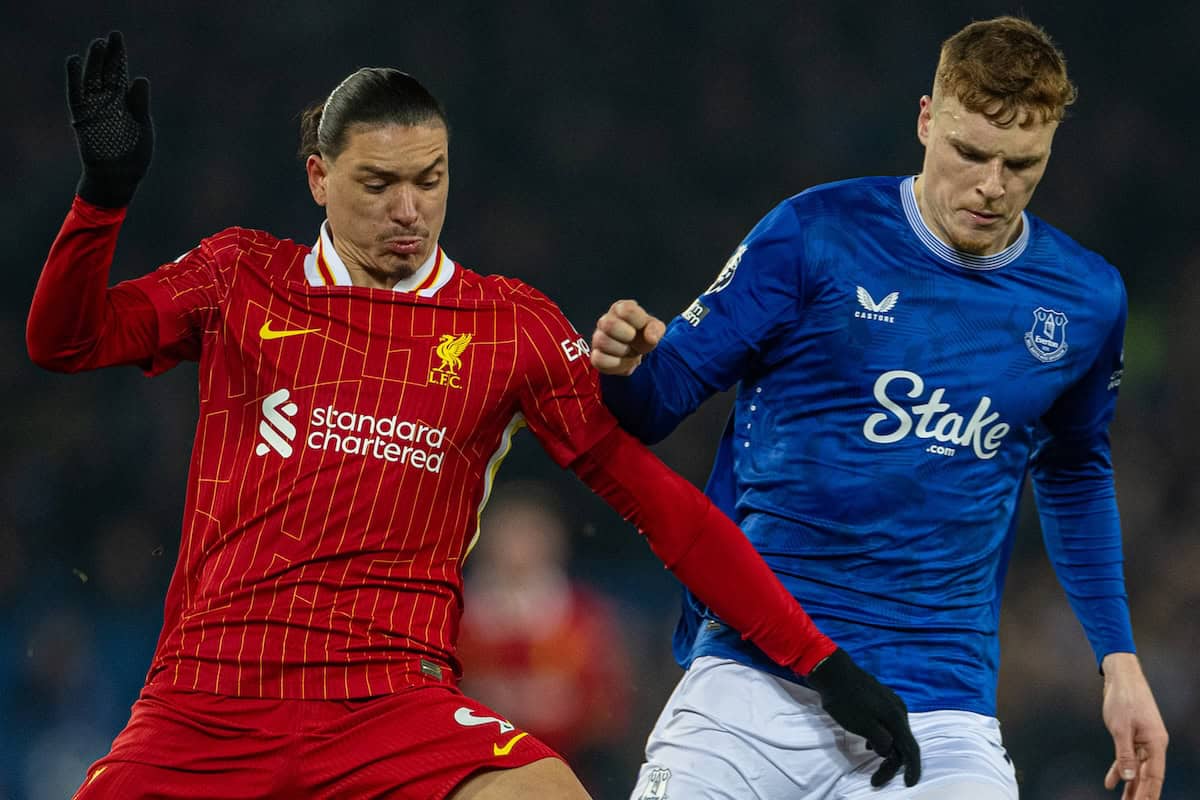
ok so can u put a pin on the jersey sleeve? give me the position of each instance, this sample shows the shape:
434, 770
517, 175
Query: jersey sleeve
186, 295
1071, 466
76, 322
559, 395
707, 347
704, 549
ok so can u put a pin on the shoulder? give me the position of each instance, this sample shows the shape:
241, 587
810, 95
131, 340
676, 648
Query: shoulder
826, 210
246, 247
851, 195
1071, 260
540, 322
502, 289
239, 240
812, 227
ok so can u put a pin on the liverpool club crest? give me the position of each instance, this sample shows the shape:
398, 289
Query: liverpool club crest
1047, 339
450, 350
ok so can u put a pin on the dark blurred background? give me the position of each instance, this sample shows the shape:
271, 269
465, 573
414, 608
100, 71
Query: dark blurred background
599, 150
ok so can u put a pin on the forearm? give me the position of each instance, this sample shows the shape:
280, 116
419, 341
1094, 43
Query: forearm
704, 549
75, 321
652, 401
633, 400
1081, 526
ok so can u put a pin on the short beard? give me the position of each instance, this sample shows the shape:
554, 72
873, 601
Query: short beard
971, 248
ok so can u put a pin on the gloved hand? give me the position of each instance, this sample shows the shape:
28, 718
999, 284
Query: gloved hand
864, 706
111, 118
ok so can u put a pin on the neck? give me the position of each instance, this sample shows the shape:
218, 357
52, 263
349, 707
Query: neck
934, 225
362, 275
346, 260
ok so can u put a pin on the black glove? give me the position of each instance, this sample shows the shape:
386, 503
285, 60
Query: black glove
864, 706
111, 117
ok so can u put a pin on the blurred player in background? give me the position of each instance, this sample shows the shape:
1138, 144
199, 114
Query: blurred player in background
905, 350
356, 398
537, 641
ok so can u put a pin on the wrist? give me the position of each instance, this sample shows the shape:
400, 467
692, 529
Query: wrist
828, 662
97, 215
110, 192
819, 652
1116, 666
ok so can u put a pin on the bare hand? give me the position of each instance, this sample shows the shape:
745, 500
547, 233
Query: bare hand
1140, 738
623, 335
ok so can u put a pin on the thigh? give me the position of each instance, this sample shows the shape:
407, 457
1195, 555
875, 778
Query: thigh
184, 745
549, 777
116, 779
420, 744
962, 756
733, 733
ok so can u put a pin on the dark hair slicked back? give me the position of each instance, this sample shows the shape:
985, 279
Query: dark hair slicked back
370, 96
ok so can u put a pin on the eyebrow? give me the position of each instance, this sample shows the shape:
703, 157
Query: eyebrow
973, 151
383, 172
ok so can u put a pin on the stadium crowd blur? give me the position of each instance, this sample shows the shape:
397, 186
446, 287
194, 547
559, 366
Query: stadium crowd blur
598, 151
538, 640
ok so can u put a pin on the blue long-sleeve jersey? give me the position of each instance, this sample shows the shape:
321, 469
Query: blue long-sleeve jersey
892, 394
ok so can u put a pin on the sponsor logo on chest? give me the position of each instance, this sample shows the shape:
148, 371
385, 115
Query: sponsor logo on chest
391, 439
876, 311
913, 413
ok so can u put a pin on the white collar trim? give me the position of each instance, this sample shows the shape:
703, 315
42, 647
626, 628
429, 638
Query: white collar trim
431, 276
908, 194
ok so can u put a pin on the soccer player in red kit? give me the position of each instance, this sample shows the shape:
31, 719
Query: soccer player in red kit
356, 399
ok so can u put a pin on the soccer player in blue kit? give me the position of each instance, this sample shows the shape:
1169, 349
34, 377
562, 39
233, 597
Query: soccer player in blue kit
906, 350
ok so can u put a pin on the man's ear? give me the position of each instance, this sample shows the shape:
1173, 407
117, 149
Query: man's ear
924, 118
318, 174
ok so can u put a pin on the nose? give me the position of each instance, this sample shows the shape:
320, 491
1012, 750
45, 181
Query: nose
992, 184
403, 208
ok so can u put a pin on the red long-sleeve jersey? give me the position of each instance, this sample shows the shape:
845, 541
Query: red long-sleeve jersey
346, 443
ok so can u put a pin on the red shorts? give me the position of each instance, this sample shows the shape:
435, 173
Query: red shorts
420, 744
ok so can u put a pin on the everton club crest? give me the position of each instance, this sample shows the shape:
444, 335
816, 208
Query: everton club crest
1047, 339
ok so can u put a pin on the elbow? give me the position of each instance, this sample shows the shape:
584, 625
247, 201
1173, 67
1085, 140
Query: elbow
50, 363
651, 422
648, 434
39, 354
50, 358
644, 430
638, 411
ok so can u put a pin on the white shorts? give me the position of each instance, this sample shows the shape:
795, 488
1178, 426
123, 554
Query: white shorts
730, 732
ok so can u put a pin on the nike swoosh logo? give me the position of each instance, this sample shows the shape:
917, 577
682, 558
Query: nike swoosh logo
497, 750
266, 332
468, 718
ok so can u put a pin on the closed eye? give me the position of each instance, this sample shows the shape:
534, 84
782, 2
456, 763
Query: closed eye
971, 155
1023, 164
